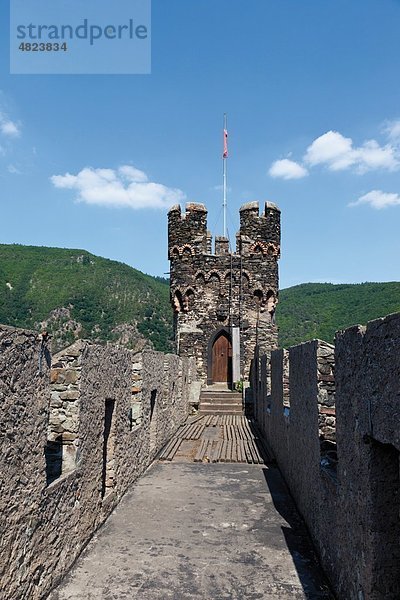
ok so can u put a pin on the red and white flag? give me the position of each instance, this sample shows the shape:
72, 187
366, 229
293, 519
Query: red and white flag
225, 153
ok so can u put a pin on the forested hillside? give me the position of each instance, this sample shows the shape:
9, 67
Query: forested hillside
317, 310
72, 293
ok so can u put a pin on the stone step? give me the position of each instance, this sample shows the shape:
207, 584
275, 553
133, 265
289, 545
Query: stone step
219, 405
213, 401
220, 411
224, 396
221, 400
215, 406
222, 392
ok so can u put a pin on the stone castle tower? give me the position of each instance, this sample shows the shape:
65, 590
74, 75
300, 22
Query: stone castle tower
224, 301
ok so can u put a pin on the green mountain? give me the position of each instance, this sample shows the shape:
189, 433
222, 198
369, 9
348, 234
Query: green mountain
317, 310
72, 293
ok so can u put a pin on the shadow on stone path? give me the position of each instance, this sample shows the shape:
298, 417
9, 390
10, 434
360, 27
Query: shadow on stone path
191, 531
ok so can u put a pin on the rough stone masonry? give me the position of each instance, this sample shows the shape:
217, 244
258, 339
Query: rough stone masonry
224, 292
336, 440
72, 440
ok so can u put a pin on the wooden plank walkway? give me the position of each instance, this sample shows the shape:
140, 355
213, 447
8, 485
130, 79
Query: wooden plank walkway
217, 438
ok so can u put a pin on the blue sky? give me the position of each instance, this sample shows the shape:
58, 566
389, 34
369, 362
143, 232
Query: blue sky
312, 93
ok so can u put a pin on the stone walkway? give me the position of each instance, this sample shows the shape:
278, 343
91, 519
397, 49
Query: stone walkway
191, 531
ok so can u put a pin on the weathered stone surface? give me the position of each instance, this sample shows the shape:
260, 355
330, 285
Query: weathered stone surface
352, 510
69, 395
237, 535
58, 480
215, 292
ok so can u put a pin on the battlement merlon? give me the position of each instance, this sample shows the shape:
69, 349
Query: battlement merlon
187, 232
221, 245
259, 233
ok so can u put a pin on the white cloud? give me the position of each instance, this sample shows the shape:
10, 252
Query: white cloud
8, 127
372, 156
125, 187
338, 153
133, 174
392, 130
287, 169
378, 199
330, 148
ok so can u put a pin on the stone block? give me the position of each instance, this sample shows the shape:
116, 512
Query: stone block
71, 376
70, 395
59, 387
55, 402
54, 375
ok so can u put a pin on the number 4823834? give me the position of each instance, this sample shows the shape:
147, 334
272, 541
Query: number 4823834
42, 47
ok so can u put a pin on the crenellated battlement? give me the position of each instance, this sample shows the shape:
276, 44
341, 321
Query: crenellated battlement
335, 437
73, 438
221, 246
224, 290
258, 234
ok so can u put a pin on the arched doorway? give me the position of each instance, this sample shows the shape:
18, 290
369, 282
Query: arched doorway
221, 359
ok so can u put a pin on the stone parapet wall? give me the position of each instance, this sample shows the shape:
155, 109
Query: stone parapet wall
73, 439
351, 403
24, 398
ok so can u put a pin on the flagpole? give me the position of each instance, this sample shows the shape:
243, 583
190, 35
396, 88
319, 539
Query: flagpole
224, 157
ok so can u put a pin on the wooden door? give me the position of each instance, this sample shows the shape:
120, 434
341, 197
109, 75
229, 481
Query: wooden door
222, 359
